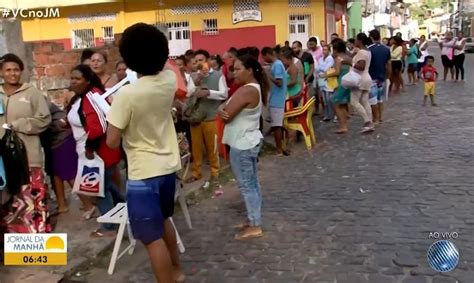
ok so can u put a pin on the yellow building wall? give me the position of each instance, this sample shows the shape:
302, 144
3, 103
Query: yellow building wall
275, 13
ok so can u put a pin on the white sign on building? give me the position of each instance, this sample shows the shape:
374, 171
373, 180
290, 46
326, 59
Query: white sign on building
248, 15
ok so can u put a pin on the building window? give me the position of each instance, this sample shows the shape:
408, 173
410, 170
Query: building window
245, 5
94, 17
83, 38
178, 30
209, 27
194, 9
108, 33
298, 3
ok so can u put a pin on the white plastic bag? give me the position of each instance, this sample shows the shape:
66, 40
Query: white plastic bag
90, 177
351, 80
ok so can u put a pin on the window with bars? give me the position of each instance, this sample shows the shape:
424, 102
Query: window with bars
298, 3
245, 5
178, 30
83, 38
194, 9
108, 33
209, 27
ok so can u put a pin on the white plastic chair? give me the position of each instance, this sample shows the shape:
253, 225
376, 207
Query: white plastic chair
180, 194
119, 215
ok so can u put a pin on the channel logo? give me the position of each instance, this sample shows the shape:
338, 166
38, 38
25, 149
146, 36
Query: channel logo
443, 256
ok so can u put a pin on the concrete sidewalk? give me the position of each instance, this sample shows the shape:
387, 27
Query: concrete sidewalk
82, 249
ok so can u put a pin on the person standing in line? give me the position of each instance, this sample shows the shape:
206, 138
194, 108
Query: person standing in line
26, 112
98, 62
277, 96
89, 126
141, 116
396, 53
60, 154
216, 63
86, 56
120, 70
294, 87
98, 65
293, 75
412, 61
430, 75
241, 114
324, 64
341, 96
307, 60
212, 91
447, 54
423, 47
228, 71
351, 50
317, 53
379, 71
360, 96
459, 56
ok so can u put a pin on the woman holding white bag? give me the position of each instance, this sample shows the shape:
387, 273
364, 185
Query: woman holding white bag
89, 127
360, 94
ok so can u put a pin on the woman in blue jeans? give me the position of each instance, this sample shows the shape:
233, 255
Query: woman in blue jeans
241, 114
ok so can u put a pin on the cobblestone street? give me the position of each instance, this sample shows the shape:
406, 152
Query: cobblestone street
356, 209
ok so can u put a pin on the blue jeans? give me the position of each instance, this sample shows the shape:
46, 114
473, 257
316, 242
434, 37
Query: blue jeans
107, 202
244, 166
328, 107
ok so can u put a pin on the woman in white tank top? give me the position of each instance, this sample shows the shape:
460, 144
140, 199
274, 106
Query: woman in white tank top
459, 55
242, 133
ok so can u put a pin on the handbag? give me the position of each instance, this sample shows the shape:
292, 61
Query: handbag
331, 81
15, 162
194, 112
90, 177
351, 79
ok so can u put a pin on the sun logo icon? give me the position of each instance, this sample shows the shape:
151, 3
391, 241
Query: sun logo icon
55, 243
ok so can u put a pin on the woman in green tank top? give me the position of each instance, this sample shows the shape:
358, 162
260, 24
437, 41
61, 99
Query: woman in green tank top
295, 76
341, 95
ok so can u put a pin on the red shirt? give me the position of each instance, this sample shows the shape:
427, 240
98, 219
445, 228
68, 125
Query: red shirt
231, 83
96, 126
429, 73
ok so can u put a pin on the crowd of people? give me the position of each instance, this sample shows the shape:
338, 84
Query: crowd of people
221, 113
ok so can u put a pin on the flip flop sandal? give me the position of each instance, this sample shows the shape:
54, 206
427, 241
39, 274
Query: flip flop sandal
243, 236
367, 130
192, 180
341, 132
242, 225
89, 214
102, 234
180, 279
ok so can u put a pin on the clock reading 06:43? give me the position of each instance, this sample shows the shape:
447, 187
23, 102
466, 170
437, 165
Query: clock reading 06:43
35, 259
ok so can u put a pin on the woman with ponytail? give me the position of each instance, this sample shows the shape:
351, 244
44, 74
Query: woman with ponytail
360, 96
241, 114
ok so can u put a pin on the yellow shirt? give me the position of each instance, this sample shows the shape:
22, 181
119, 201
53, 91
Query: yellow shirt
396, 53
142, 111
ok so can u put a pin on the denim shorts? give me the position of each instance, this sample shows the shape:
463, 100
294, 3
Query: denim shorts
150, 202
377, 92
